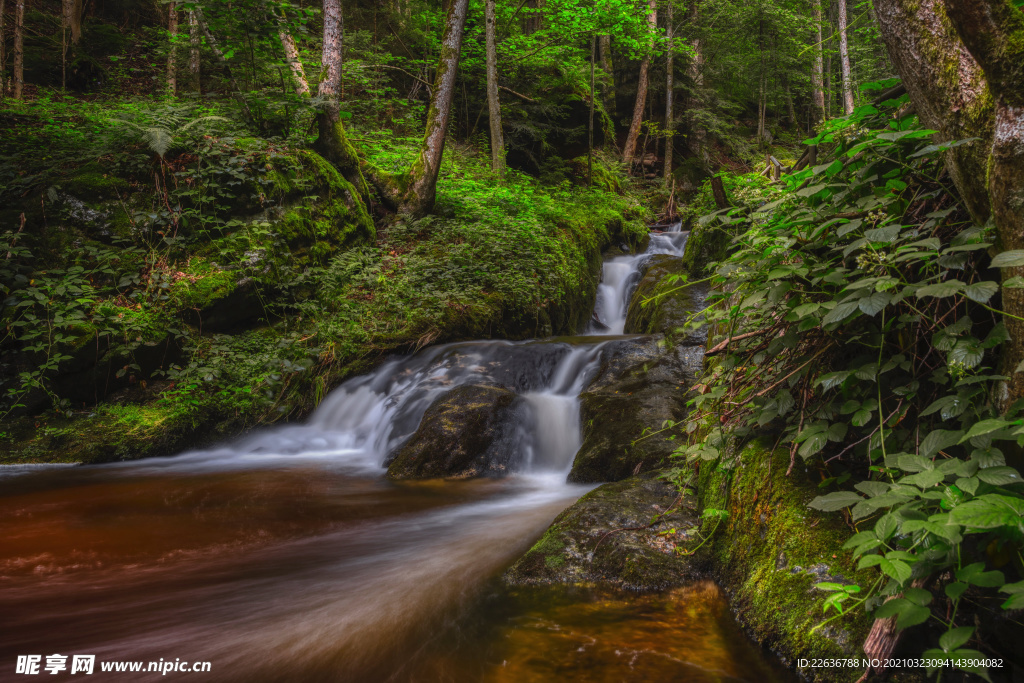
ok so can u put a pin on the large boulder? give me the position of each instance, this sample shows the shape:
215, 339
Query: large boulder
641, 384
664, 304
630, 534
470, 431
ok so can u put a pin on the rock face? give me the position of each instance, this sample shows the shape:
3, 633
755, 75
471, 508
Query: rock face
670, 312
641, 384
624, 534
470, 431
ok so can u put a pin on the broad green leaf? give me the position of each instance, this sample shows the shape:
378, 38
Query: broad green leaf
938, 440
896, 569
999, 476
941, 289
985, 427
954, 638
1008, 259
835, 501
981, 291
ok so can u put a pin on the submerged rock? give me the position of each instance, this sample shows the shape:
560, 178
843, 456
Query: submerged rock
470, 431
641, 384
628, 534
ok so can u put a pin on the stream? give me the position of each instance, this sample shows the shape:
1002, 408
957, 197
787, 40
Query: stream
287, 556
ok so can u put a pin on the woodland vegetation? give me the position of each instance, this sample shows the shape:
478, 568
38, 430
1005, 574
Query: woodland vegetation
212, 212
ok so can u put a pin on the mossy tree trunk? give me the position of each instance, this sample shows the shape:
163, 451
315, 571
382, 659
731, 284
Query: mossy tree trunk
818, 70
420, 184
332, 143
669, 86
946, 85
193, 52
993, 32
844, 58
172, 33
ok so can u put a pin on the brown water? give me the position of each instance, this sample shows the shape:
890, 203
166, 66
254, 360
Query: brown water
309, 572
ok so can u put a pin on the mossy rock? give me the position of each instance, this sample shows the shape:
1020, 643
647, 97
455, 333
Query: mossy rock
467, 432
706, 244
662, 304
772, 549
624, 534
641, 384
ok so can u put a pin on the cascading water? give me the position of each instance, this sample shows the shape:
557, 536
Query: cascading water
620, 276
286, 556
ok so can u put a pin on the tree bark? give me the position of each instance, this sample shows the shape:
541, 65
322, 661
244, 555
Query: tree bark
590, 121
291, 52
669, 86
844, 58
422, 177
493, 103
332, 143
172, 32
993, 32
19, 49
193, 52
818, 70
696, 72
629, 151
948, 88
608, 77
3, 51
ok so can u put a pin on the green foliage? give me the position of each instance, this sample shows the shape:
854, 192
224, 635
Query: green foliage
862, 324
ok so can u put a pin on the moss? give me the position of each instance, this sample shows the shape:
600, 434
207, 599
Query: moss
772, 549
706, 244
204, 285
92, 182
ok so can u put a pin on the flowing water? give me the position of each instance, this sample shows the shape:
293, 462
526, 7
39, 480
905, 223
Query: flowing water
286, 556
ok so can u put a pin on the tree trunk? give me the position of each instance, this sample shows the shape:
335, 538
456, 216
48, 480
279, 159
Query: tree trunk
699, 135
422, 177
641, 91
493, 103
332, 142
993, 32
193, 52
3, 52
669, 85
19, 49
75, 22
172, 32
948, 88
844, 58
608, 71
65, 22
817, 71
590, 121
291, 52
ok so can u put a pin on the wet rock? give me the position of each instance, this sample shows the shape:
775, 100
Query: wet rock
670, 312
470, 431
628, 534
641, 384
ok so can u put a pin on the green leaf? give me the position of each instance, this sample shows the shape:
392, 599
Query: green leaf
938, 440
835, 501
914, 463
981, 291
955, 590
999, 476
941, 290
954, 638
840, 313
985, 427
871, 305
1008, 259
896, 569
990, 512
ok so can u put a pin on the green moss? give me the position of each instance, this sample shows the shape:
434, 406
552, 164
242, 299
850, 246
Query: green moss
203, 285
772, 549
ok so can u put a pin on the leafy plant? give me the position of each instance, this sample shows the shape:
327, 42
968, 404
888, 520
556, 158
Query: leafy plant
859, 318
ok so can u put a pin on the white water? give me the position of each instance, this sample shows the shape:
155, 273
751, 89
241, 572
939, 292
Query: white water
620, 276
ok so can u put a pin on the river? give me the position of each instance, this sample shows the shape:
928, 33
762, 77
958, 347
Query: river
287, 556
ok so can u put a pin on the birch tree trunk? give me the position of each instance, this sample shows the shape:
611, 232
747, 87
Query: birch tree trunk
172, 32
419, 197
669, 85
193, 52
291, 52
844, 58
629, 151
993, 32
818, 70
493, 103
19, 49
